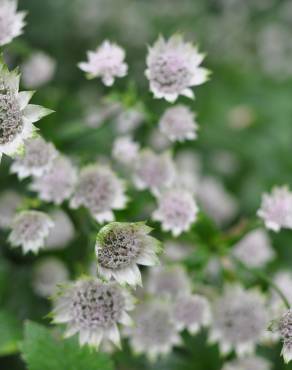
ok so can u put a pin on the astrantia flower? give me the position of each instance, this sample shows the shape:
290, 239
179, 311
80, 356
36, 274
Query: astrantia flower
254, 249
178, 123
177, 251
16, 115
106, 62
120, 246
37, 159
125, 150
276, 209
173, 68
57, 184
283, 280
153, 171
284, 328
93, 309
47, 275
96, 116
239, 320
191, 312
29, 230
9, 202
248, 363
128, 120
11, 21
177, 210
154, 332
63, 231
100, 190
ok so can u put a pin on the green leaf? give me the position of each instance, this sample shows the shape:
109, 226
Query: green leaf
11, 332
46, 350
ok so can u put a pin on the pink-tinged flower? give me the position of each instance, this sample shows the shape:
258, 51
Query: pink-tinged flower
276, 209
125, 150
283, 327
11, 21
173, 68
107, 62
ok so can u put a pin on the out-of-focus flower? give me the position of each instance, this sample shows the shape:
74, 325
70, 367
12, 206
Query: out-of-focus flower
9, 202
191, 312
158, 141
128, 120
47, 275
57, 184
95, 116
16, 115
153, 171
38, 70
120, 246
176, 251
154, 332
29, 230
37, 159
93, 309
188, 168
276, 209
11, 21
283, 281
63, 231
100, 190
284, 328
173, 68
178, 123
177, 210
225, 162
125, 150
241, 117
248, 363
254, 249
106, 62
239, 320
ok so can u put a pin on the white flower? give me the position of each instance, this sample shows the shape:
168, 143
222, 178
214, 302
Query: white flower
96, 116
29, 230
106, 62
125, 150
177, 210
38, 70
11, 21
48, 273
153, 171
178, 123
173, 67
9, 202
284, 328
16, 115
37, 159
254, 249
63, 231
57, 184
188, 168
93, 309
191, 312
276, 209
100, 190
248, 363
158, 141
120, 246
175, 251
154, 332
239, 320
128, 120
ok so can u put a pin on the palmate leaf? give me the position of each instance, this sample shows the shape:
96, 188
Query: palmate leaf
10, 333
43, 349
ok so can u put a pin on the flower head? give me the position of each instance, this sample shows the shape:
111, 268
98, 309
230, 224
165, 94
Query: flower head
120, 246
173, 67
106, 62
176, 210
128, 120
100, 190
276, 209
125, 150
9, 202
284, 328
93, 309
178, 124
248, 363
11, 21
176, 251
37, 159
29, 230
63, 231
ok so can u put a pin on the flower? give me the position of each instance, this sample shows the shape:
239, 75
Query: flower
191, 312
29, 230
120, 246
176, 210
47, 275
177, 251
284, 327
154, 332
178, 123
239, 320
57, 184
173, 67
63, 231
38, 70
128, 120
11, 21
9, 202
37, 159
106, 62
93, 309
276, 209
125, 150
248, 363
95, 116
254, 249
153, 171
100, 190
17, 116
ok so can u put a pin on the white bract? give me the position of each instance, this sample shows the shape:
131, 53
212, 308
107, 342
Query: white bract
284, 328
11, 21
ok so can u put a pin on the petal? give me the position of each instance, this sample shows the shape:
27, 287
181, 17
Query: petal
23, 98
34, 113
